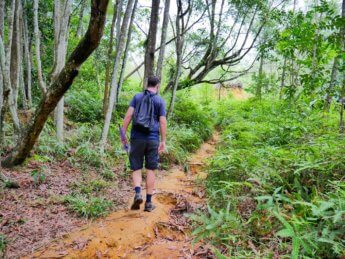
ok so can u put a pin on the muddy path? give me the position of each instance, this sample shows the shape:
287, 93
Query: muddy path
163, 233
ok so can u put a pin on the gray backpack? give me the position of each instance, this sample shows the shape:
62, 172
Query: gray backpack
143, 118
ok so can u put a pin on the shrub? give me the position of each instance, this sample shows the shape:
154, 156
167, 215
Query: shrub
84, 106
290, 161
194, 116
2, 245
89, 154
88, 188
88, 207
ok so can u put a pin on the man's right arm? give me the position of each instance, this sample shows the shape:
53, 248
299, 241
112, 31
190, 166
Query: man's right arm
127, 119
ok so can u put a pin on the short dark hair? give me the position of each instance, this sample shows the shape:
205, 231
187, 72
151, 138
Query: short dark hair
152, 81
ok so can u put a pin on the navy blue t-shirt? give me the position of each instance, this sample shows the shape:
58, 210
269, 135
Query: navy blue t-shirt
159, 110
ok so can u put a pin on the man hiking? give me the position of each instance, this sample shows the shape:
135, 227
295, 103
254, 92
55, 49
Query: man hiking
148, 116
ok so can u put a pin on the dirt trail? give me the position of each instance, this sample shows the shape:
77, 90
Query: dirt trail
138, 234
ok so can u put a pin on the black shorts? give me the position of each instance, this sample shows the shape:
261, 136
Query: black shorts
141, 149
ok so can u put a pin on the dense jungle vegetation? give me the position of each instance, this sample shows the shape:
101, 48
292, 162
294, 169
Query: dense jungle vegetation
69, 68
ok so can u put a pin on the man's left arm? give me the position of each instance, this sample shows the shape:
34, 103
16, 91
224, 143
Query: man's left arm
162, 126
163, 130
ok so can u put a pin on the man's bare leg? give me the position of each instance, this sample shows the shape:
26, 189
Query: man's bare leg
150, 185
150, 181
137, 179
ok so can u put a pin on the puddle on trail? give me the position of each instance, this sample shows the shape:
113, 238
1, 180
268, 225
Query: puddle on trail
138, 234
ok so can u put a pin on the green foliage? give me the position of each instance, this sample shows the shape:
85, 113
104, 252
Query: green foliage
108, 174
193, 115
289, 160
88, 207
181, 141
87, 188
189, 126
84, 106
309, 43
38, 176
218, 227
2, 244
8, 183
89, 154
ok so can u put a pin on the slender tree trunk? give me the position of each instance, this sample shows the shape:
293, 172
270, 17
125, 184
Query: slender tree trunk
15, 55
37, 34
163, 40
151, 42
342, 96
115, 21
176, 81
258, 93
62, 13
125, 55
2, 26
81, 16
2, 18
282, 84
179, 48
21, 58
27, 48
332, 82
62, 83
342, 106
113, 91
10, 94
5, 59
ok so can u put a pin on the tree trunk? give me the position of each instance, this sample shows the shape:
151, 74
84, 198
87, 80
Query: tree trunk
10, 94
80, 21
62, 83
329, 91
342, 96
2, 26
21, 58
115, 21
15, 55
27, 51
62, 13
259, 86
179, 47
151, 42
282, 84
125, 55
37, 34
2, 18
114, 87
163, 40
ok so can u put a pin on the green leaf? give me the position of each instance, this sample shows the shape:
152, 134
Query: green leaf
296, 244
285, 233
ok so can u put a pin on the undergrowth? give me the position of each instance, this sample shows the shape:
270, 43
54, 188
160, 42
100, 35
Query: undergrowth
2, 244
88, 207
276, 184
190, 124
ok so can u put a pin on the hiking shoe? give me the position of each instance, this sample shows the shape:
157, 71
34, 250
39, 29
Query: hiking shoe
138, 199
149, 206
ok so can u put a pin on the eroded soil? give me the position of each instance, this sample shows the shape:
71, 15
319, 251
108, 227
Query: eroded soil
163, 233
35, 214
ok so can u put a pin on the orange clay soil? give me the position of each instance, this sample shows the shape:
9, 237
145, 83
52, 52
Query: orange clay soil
139, 234
239, 94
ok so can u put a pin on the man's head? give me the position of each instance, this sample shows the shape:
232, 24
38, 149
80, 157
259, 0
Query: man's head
153, 82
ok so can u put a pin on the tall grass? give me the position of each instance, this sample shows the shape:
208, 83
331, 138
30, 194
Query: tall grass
279, 170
